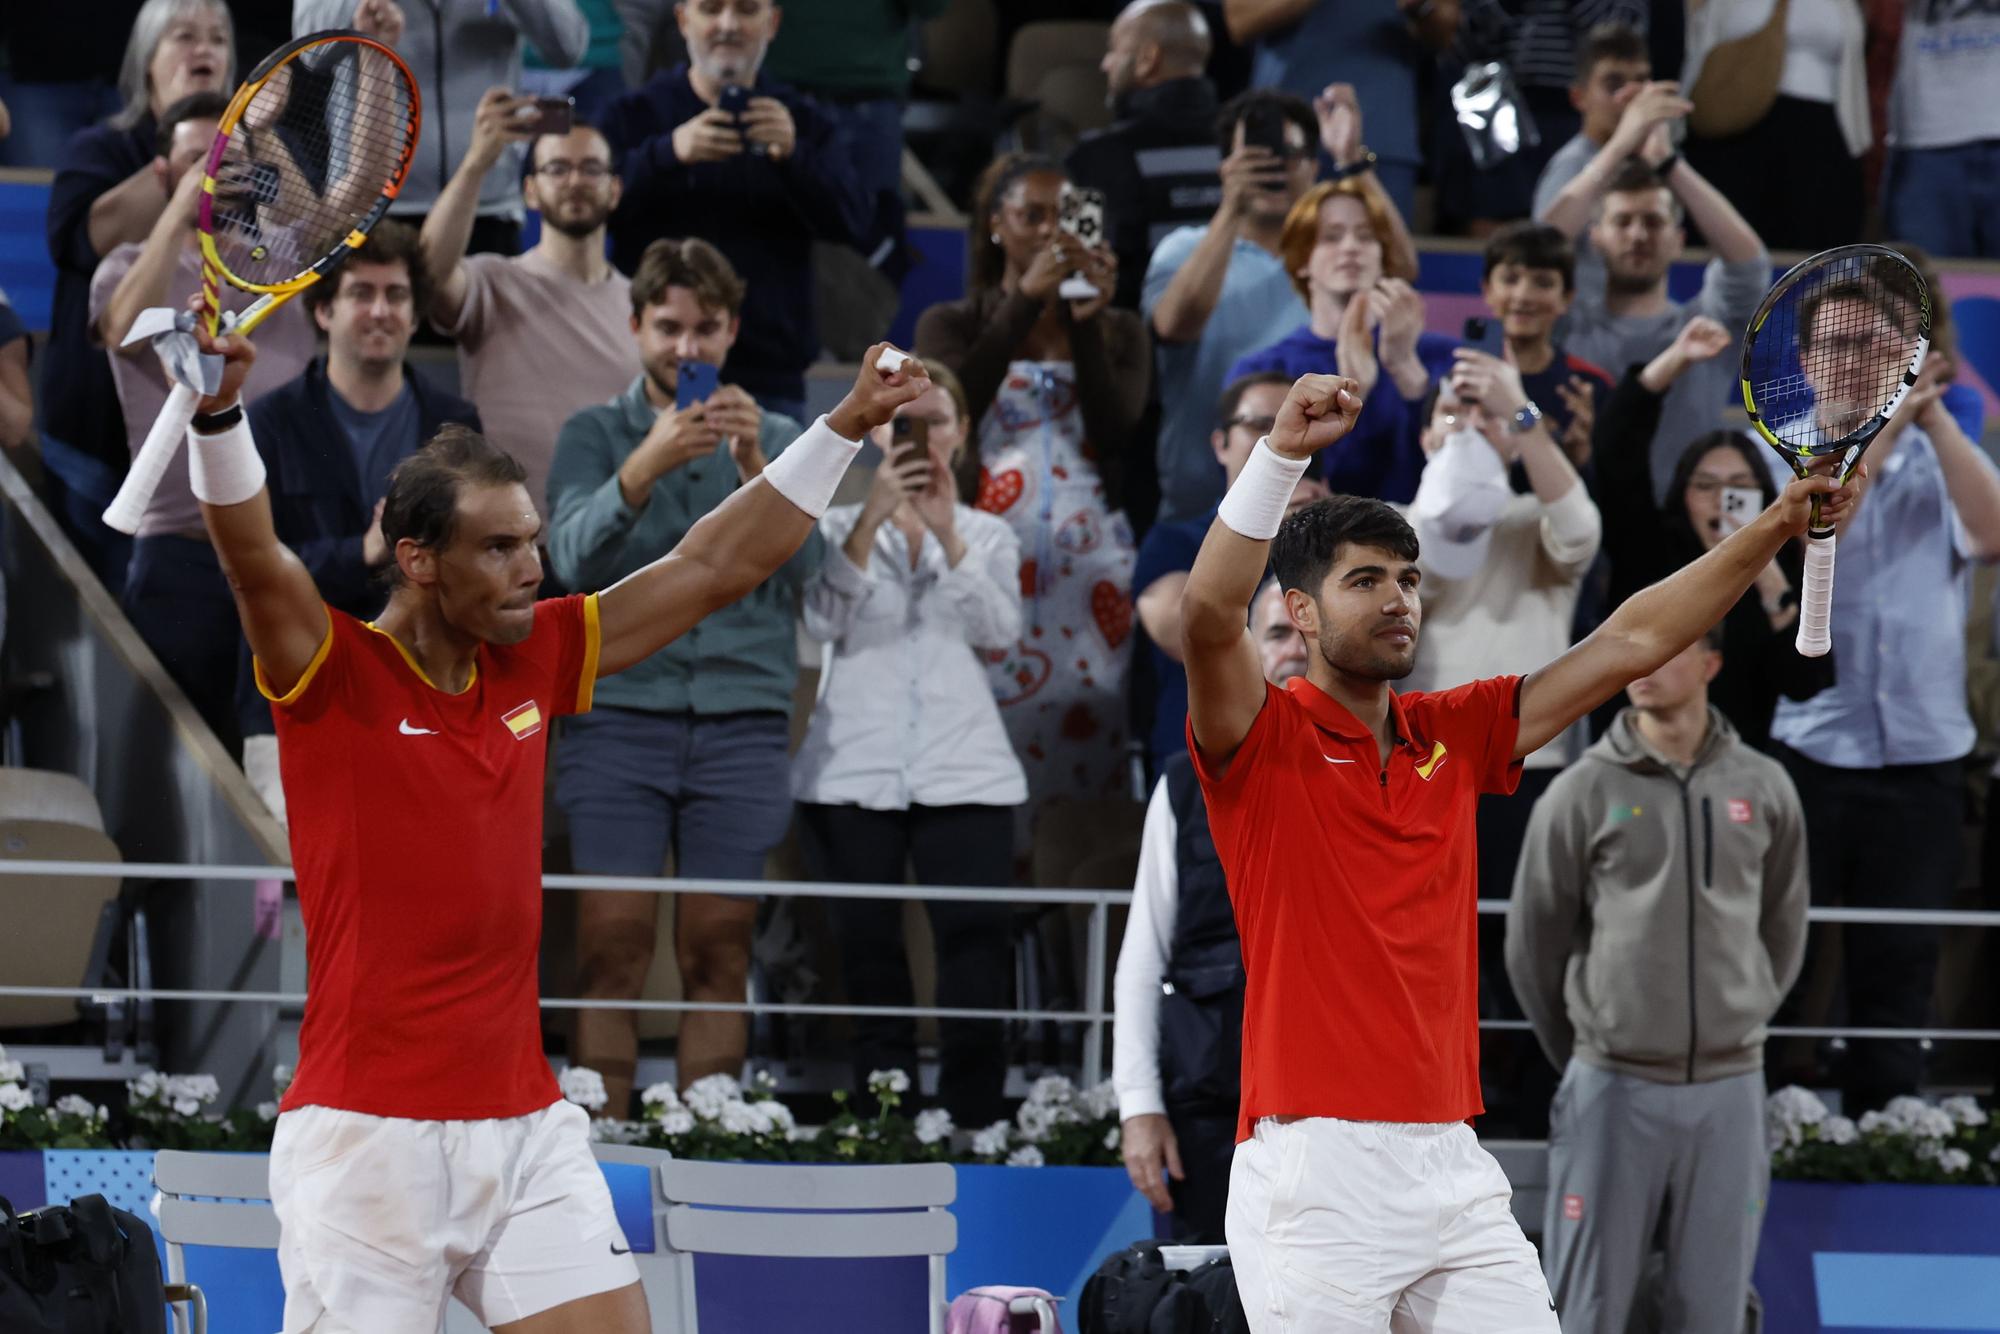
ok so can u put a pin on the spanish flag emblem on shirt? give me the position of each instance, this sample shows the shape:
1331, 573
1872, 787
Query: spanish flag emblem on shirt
523, 720
1426, 768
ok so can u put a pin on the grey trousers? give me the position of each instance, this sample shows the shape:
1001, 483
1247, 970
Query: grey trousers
1634, 1164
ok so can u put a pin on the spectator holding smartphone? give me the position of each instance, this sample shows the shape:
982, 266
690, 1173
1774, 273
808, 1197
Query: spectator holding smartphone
1528, 282
1056, 386
906, 764
1719, 477
715, 148
685, 753
545, 334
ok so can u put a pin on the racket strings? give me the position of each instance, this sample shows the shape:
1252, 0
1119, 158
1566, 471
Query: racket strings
1833, 351
315, 149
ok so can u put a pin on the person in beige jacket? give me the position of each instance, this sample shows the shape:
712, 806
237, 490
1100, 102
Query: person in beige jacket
1658, 918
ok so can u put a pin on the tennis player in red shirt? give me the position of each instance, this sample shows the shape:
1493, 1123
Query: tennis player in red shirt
423, 1149
1359, 1199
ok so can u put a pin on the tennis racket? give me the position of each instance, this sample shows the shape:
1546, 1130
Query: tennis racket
1827, 360
308, 155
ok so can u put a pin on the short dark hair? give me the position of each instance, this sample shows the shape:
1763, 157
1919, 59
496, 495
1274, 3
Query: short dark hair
389, 242
1294, 109
1609, 41
691, 263
1896, 301
535, 145
1310, 538
1532, 245
422, 503
195, 106
1232, 397
1634, 176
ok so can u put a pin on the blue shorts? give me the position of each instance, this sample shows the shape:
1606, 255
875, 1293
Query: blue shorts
713, 791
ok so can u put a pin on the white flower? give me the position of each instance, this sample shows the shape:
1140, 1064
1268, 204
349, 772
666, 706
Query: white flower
584, 1087
992, 1141
1111, 1138
888, 1081
187, 1107
71, 1105
933, 1124
1954, 1160
677, 1121
779, 1116
604, 1130
764, 1082
1793, 1103
12, 1072
14, 1098
1035, 1120
1838, 1130
707, 1096
1993, 1155
660, 1095
267, 1111
146, 1087
1051, 1089
1927, 1150
198, 1089
281, 1079
850, 1131
738, 1119
1100, 1101
1913, 1116
1965, 1111
1025, 1156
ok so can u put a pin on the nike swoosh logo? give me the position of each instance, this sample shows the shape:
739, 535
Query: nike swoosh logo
618, 1250
407, 730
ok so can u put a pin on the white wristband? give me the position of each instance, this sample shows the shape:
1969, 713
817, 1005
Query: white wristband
1256, 502
224, 469
811, 467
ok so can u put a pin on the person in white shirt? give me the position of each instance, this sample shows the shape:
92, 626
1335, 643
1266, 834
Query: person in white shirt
906, 761
1177, 997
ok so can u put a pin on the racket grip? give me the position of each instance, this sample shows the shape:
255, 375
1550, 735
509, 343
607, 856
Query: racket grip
149, 465
1816, 599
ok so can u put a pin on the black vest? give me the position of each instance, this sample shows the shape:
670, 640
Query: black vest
1201, 1012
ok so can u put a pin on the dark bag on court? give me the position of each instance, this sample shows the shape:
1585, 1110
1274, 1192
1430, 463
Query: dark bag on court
1119, 1298
1203, 1302
80, 1268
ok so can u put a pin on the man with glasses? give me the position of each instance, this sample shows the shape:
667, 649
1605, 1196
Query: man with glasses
544, 334
1246, 412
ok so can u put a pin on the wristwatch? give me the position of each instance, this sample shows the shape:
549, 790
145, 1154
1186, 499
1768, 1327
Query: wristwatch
1526, 418
1363, 163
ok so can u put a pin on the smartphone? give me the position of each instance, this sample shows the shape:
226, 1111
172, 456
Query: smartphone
694, 382
554, 115
735, 100
1264, 127
1485, 335
909, 440
1081, 214
1739, 506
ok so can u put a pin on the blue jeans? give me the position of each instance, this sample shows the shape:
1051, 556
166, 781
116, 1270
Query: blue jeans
1946, 200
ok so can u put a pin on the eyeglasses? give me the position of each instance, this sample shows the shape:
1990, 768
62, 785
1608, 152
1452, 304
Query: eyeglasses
1261, 425
561, 171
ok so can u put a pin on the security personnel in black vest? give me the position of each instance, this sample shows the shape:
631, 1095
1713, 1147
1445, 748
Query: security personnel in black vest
1157, 163
1177, 1028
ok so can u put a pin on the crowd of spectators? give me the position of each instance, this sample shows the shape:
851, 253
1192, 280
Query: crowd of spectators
999, 604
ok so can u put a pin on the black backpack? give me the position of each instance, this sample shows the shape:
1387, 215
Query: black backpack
1120, 1297
81, 1268
1204, 1302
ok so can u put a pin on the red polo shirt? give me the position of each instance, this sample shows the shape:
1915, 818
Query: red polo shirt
1355, 888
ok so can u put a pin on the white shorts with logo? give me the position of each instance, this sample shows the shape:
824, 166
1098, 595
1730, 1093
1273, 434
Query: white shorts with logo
1357, 1227
383, 1219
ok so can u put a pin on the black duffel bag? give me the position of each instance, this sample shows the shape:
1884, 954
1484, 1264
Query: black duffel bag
80, 1268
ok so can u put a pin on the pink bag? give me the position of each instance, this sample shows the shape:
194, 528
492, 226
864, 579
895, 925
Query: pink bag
1003, 1311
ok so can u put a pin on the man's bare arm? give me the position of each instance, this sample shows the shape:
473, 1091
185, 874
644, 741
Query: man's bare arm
1658, 622
740, 543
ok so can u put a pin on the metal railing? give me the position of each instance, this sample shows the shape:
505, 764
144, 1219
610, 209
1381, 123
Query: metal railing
1096, 968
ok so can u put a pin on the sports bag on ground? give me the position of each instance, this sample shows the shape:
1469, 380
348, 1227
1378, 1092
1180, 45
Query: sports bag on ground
80, 1268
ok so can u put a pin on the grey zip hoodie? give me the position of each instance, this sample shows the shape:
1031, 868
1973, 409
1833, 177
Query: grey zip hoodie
1659, 912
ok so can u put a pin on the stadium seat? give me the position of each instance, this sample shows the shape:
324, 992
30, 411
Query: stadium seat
60, 927
1054, 64
209, 1199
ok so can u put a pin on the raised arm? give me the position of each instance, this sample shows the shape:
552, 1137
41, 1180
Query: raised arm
1181, 312
555, 28
149, 281
448, 227
282, 613
1225, 678
1656, 623
1652, 105
741, 542
1729, 233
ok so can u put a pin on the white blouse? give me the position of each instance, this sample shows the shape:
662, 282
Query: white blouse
905, 715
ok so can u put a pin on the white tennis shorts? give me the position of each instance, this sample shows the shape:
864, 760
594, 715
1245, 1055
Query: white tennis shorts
383, 1219
1359, 1227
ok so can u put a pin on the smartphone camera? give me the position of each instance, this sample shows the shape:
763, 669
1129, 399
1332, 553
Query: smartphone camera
1739, 506
735, 100
1484, 335
554, 115
909, 440
694, 382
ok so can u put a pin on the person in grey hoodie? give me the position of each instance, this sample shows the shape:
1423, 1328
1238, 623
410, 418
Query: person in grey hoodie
1658, 919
